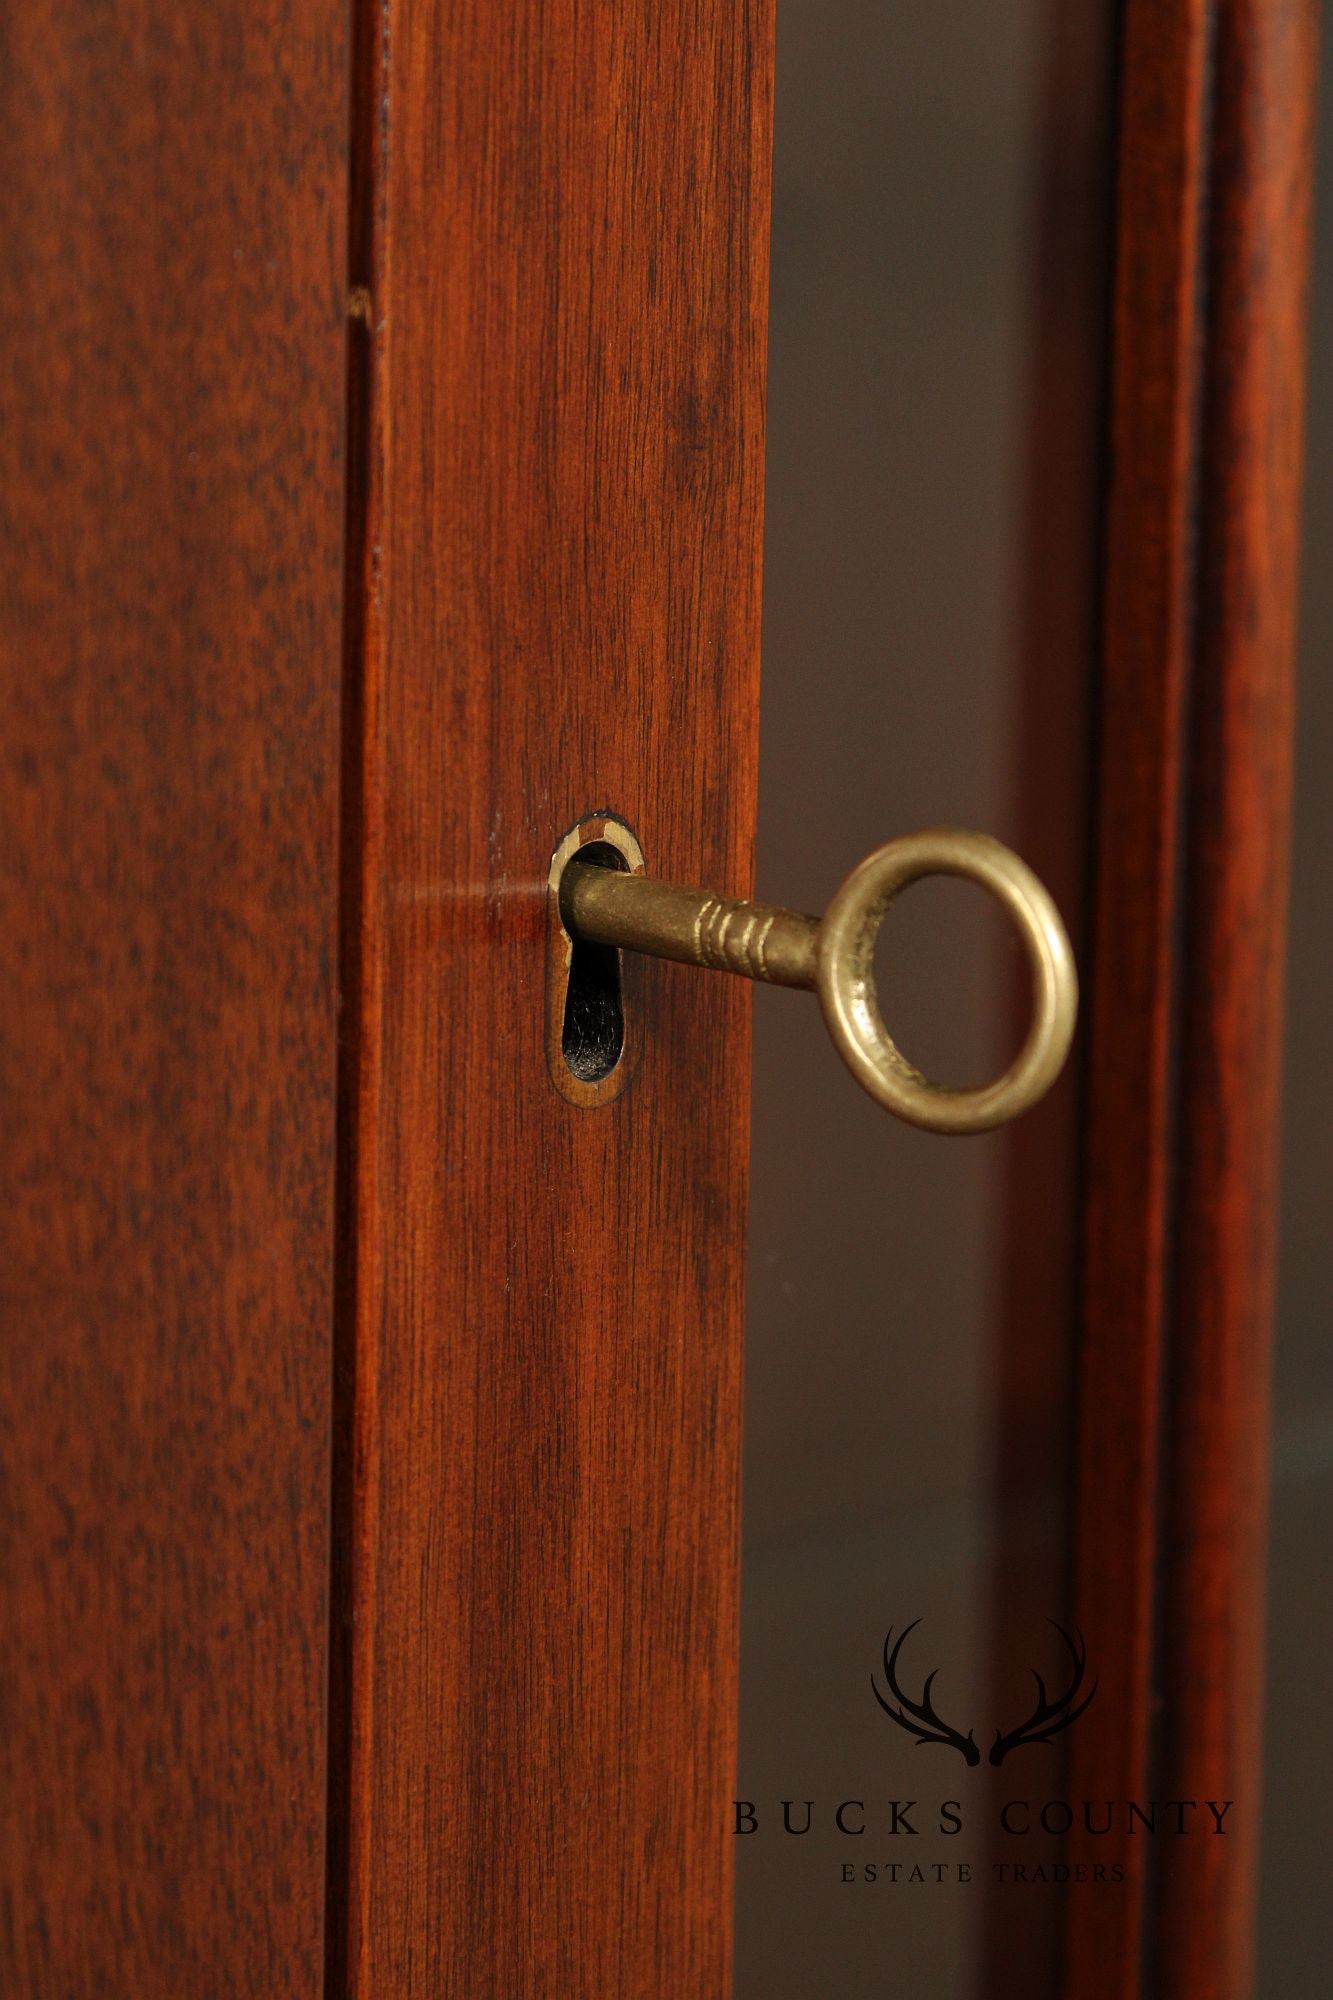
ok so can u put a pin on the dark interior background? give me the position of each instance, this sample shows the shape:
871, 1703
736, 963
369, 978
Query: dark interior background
940, 255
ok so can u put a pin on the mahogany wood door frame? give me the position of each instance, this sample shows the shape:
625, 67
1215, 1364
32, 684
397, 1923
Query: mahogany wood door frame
1214, 160
561, 239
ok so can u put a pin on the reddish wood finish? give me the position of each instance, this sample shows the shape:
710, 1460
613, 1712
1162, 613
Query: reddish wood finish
560, 228
564, 245
173, 191
1218, 1407
1130, 1001
1214, 164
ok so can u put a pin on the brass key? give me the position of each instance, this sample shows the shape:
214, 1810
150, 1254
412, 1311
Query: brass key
833, 956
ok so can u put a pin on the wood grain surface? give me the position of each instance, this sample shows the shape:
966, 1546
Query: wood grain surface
561, 232
1214, 166
173, 193
1218, 1409
1129, 1111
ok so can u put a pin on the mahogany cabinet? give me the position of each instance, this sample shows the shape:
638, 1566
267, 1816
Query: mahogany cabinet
383, 469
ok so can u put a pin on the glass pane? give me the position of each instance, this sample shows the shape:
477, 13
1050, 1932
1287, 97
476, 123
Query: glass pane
939, 258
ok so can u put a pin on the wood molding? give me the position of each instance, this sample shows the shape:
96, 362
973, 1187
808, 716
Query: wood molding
1241, 713
1193, 760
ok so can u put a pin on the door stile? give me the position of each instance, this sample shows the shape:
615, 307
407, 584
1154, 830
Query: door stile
564, 301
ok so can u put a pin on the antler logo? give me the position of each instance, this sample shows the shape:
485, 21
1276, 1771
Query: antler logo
920, 1719
1047, 1719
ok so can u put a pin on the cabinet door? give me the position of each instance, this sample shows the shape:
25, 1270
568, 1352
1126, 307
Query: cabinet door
560, 257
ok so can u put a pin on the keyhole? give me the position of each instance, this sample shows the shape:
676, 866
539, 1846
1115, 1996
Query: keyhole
591, 1032
592, 1035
